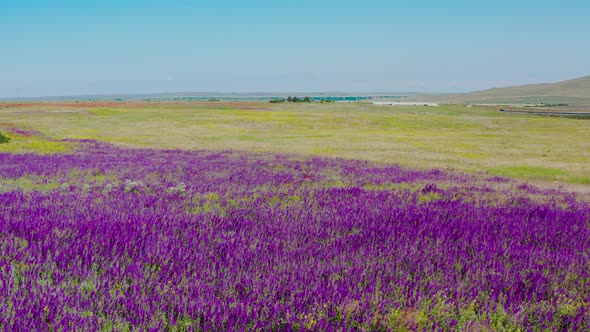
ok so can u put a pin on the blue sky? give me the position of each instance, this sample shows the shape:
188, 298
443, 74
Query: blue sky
55, 47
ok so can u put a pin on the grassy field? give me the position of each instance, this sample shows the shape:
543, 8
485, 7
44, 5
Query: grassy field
447, 137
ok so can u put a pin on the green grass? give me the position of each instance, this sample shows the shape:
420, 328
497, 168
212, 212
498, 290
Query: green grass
28, 183
476, 139
578, 179
530, 172
78, 178
35, 145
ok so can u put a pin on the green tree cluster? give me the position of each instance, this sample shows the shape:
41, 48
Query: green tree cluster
4, 138
299, 100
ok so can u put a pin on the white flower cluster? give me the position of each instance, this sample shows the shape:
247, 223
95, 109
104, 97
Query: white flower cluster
180, 188
133, 186
110, 187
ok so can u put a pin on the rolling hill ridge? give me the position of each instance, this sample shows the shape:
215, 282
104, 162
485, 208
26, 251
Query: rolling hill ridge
574, 92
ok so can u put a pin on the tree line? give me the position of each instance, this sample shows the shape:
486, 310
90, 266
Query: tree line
305, 99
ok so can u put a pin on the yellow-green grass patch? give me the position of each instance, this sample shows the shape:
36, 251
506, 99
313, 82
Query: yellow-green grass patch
475, 139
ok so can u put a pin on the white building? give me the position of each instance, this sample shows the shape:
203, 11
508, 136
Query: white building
404, 103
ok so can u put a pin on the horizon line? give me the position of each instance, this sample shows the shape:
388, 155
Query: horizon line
204, 94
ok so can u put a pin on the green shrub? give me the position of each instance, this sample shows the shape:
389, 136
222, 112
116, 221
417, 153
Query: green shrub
4, 138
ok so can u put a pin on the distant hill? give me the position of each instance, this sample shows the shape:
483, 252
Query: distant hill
575, 92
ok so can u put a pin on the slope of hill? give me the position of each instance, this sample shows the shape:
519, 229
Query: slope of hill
575, 92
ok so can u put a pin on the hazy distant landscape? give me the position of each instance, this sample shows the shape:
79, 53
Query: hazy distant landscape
574, 92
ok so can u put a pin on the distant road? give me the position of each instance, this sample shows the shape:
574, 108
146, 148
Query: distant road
579, 114
404, 103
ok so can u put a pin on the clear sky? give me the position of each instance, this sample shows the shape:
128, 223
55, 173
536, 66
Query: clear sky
60, 47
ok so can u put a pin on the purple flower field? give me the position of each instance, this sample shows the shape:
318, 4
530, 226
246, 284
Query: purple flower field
108, 238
